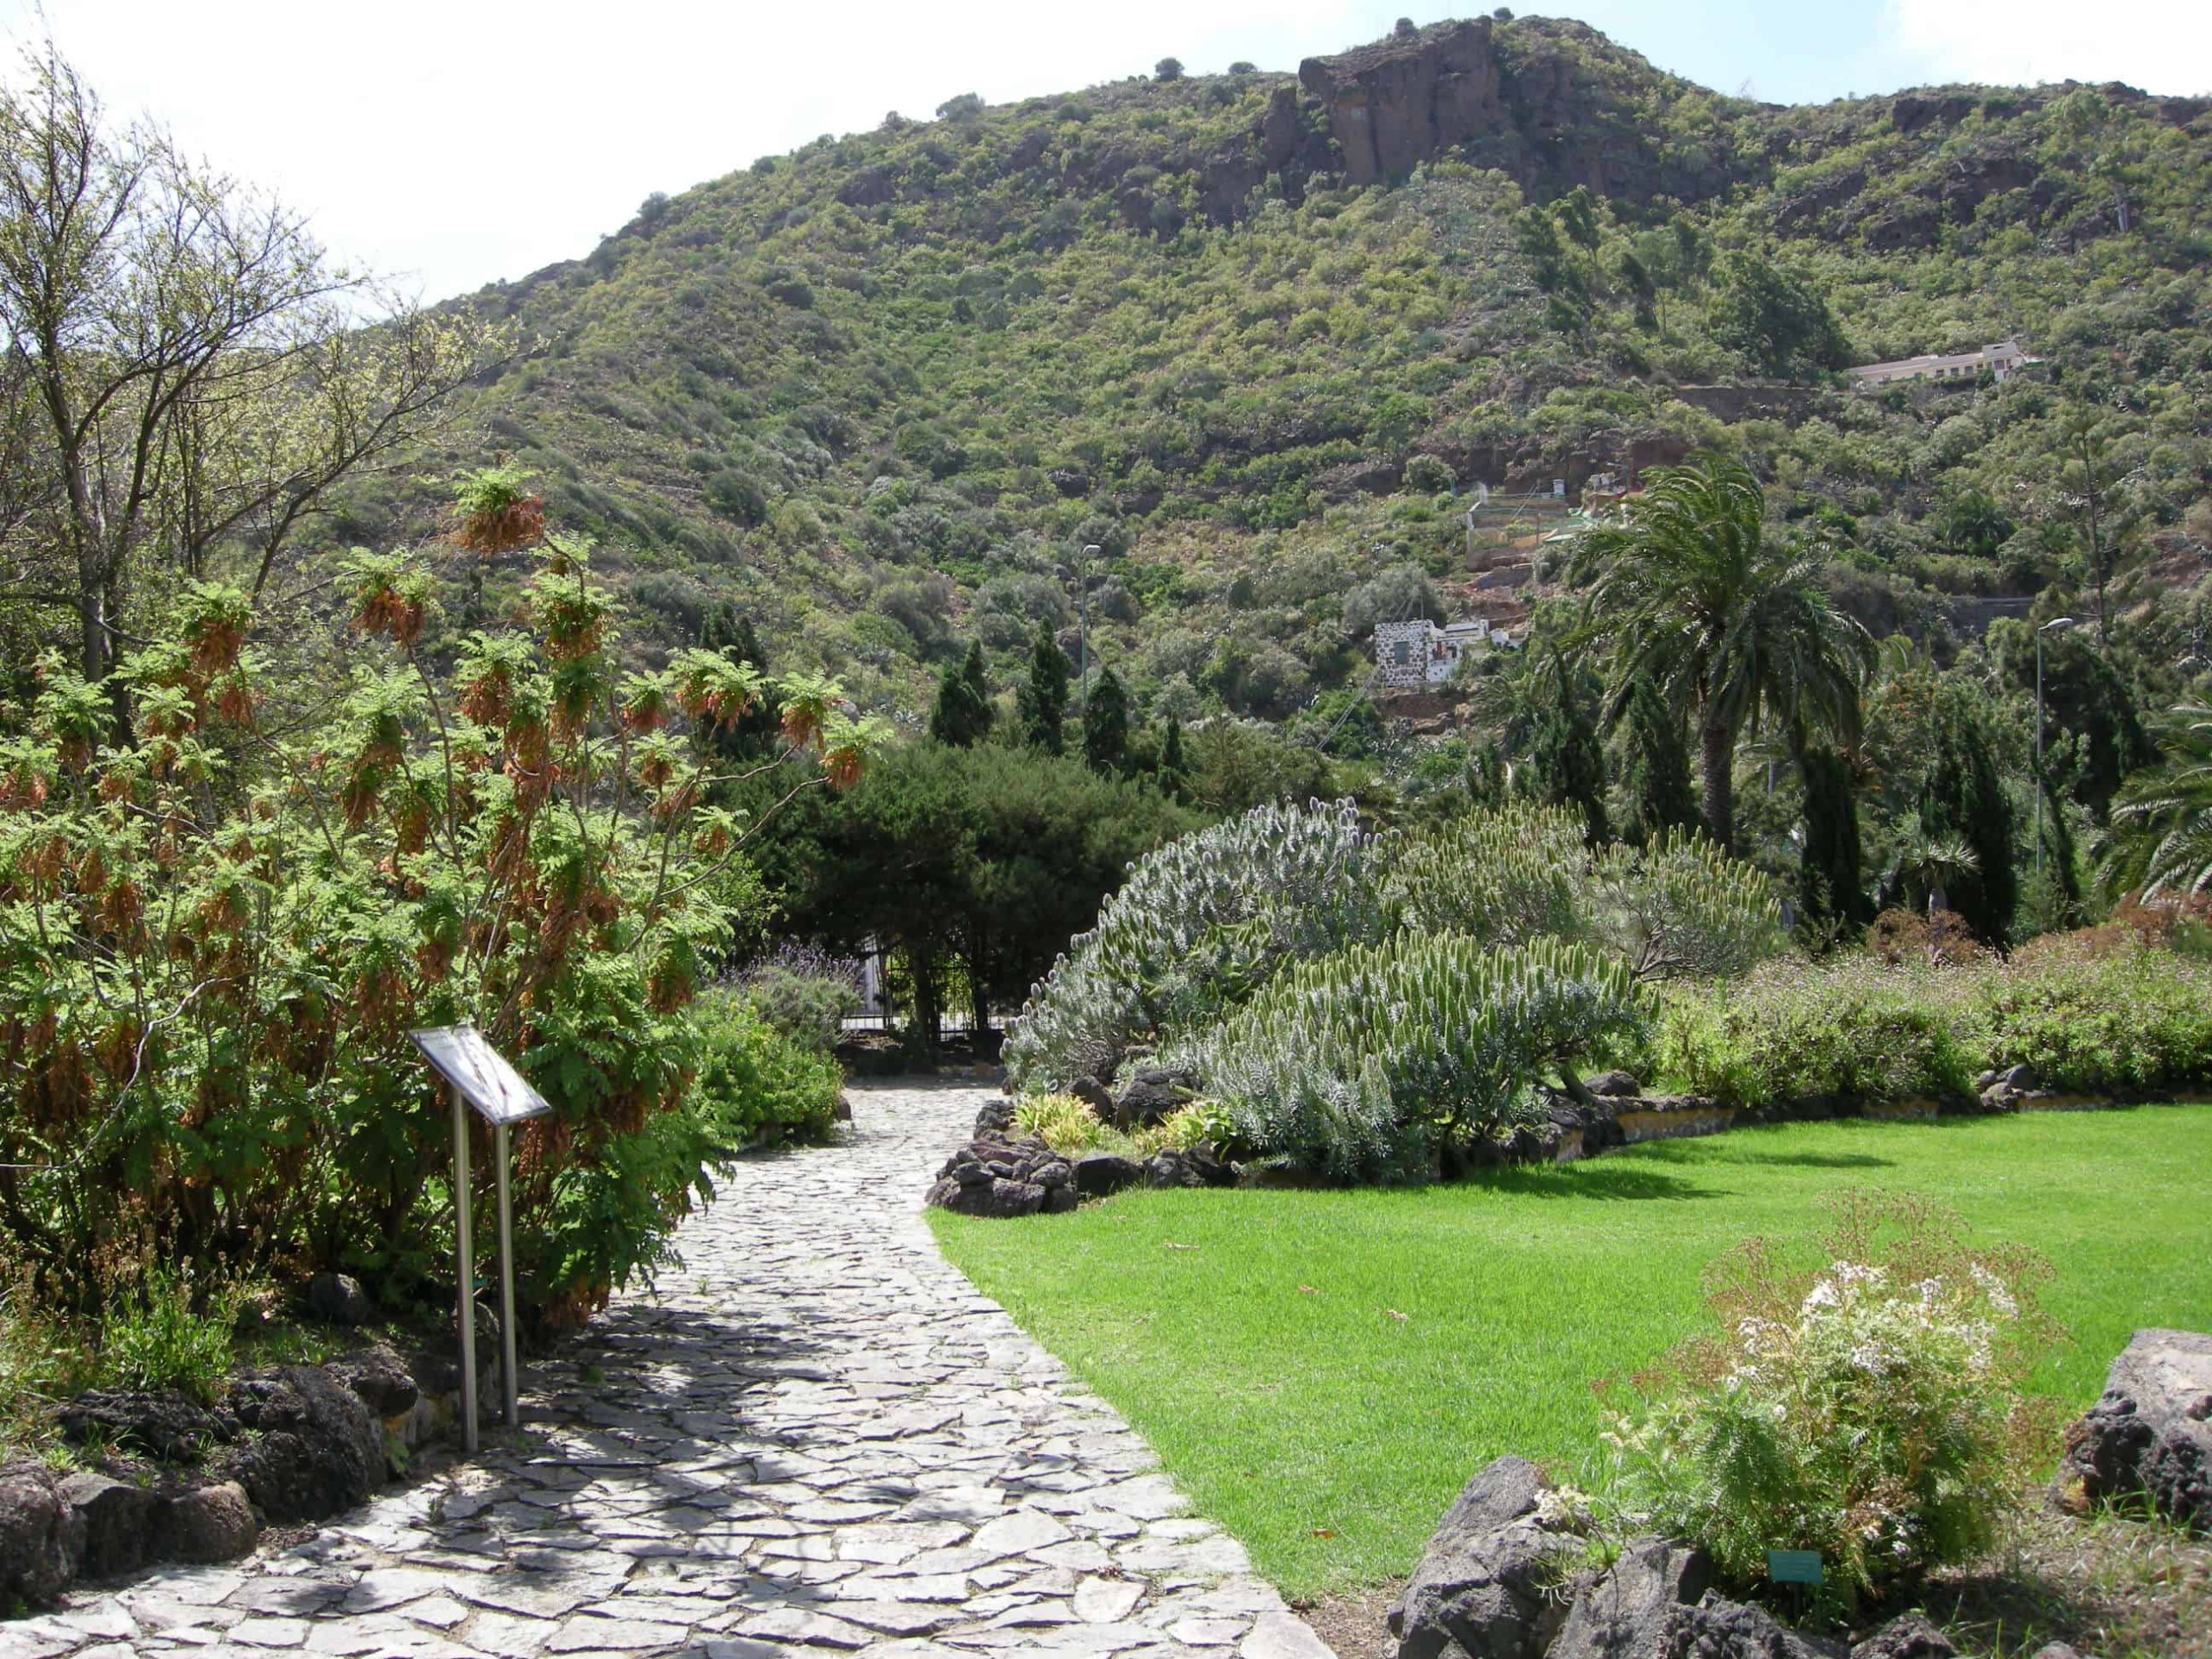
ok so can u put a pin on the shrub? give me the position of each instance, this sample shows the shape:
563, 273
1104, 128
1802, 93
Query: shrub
1852, 1029
215, 935
1677, 907
1359, 1065
1199, 923
1061, 1121
807, 994
2140, 1020
738, 496
755, 1085
1872, 1408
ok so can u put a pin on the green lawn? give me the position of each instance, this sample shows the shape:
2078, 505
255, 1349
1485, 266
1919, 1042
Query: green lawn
1253, 1335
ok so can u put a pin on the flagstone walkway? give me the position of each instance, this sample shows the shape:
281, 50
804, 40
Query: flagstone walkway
817, 1440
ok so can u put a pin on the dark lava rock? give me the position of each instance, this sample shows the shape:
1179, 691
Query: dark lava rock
2151, 1430
1093, 1094
163, 1424
1187, 1166
995, 1121
999, 1177
1716, 1629
123, 1523
1628, 1608
380, 1376
317, 1449
1614, 1085
1909, 1636
1479, 1591
339, 1298
212, 1523
41, 1537
1151, 1093
1097, 1174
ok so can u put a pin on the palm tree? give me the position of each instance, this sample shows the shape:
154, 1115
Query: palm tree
1729, 623
2162, 821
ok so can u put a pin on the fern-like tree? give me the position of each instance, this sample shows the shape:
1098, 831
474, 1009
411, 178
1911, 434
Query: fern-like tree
1106, 725
1042, 702
729, 633
1729, 623
961, 716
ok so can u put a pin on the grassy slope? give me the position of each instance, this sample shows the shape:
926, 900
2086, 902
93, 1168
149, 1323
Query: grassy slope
1328, 1435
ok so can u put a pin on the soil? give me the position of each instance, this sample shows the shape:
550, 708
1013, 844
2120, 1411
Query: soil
1352, 1624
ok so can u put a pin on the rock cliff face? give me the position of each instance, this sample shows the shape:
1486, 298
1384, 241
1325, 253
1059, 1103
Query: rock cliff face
1403, 100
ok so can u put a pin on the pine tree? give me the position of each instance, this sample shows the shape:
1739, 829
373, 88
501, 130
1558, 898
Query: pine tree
1106, 725
1568, 760
1830, 879
1042, 702
758, 733
1172, 766
961, 716
1661, 795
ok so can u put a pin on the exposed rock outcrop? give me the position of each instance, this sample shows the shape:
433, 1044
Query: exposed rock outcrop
1480, 1589
1400, 101
2150, 1432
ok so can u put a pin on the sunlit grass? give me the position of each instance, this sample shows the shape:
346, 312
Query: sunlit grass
1323, 1370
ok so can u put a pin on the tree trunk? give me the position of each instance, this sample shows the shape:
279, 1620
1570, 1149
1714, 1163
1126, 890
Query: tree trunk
1716, 767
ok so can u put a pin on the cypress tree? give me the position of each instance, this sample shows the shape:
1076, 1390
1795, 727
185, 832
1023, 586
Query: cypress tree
1043, 700
1174, 768
1569, 761
1661, 795
1829, 874
962, 715
1106, 725
758, 732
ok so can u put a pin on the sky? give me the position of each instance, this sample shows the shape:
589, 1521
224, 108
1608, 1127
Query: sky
447, 143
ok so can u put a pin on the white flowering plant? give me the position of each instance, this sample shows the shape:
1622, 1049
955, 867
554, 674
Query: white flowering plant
1872, 1408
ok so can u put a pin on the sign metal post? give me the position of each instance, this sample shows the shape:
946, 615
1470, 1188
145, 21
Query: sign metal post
479, 1076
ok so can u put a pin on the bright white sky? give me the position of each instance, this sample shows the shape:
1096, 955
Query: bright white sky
453, 143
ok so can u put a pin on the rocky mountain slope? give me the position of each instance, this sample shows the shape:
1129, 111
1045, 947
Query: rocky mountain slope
1247, 332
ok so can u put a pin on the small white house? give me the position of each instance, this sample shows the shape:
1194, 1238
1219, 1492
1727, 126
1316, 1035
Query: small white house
1999, 358
1413, 655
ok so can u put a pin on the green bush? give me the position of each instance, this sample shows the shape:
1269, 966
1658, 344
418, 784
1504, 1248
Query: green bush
807, 1004
1872, 1408
755, 1085
1856, 1030
1061, 1121
1359, 1066
2138, 1021
2085, 1019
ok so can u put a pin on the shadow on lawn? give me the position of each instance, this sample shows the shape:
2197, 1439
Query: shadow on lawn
1591, 1179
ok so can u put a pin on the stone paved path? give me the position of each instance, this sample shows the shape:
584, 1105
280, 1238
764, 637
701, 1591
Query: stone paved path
817, 1440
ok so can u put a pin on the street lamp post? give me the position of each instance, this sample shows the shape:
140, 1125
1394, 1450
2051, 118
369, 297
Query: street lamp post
1082, 627
2057, 624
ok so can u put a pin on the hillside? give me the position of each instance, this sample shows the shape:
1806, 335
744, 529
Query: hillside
880, 390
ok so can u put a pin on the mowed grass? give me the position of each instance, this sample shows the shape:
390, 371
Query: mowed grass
1322, 1370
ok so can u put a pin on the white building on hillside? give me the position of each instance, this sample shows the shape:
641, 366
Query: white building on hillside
2001, 359
1413, 655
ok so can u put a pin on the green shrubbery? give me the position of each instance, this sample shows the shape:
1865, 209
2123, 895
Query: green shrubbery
216, 931
757, 1084
1360, 1066
2093, 1019
1871, 1408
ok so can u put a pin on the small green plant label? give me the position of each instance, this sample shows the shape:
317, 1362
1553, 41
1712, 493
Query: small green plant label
1794, 1565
